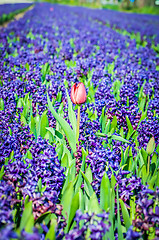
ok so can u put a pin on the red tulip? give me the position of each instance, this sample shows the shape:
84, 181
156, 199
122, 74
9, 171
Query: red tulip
78, 93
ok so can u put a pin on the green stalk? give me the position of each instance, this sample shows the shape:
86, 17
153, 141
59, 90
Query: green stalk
78, 122
148, 165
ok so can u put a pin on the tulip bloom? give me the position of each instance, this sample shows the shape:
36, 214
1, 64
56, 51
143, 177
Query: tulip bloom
78, 96
78, 93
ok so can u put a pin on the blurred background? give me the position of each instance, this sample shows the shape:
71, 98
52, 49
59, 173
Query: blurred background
138, 6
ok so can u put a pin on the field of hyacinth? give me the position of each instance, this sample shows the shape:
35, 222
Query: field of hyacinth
79, 125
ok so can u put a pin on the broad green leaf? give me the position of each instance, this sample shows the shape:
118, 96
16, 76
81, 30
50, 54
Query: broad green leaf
67, 199
122, 157
23, 119
33, 126
125, 214
129, 125
113, 181
144, 174
122, 132
71, 113
93, 204
107, 128
1, 104
1, 172
73, 209
30, 224
43, 217
40, 184
80, 178
144, 155
87, 186
141, 161
70, 134
27, 67
105, 192
118, 138
51, 235
26, 201
60, 150
114, 124
64, 160
81, 200
154, 158
27, 213
152, 181
88, 174
43, 124
55, 133
126, 154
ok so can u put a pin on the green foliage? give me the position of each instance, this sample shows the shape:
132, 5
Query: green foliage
27, 220
70, 134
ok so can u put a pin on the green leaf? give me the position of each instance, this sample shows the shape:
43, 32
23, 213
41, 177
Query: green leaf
126, 154
114, 124
71, 113
43, 124
141, 162
87, 186
129, 125
150, 146
88, 174
107, 128
30, 224
120, 234
144, 174
27, 67
23, 119
2, 172
118, 138
73, 209
37, 120
125, 214
43, 217
93, 204
105, 192
27, 213
70, 134
1, 104
33, 126
132, 208
51, 233
55, 133
81, 200
144, 155
67, 199
40, 184
80, 179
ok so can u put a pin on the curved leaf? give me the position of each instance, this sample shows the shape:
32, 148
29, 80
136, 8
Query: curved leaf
70, 134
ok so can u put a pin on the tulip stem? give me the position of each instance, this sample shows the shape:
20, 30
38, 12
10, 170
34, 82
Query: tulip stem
78, 123
148, 165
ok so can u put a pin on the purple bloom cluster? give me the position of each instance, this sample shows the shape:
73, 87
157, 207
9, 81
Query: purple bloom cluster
147, 129
8, 8
96, 224
147, 213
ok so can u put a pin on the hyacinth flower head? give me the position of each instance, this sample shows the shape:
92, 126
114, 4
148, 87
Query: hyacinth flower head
78, 96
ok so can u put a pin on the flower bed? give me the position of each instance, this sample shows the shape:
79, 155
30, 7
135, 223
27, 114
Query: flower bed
58, 182
8, 11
